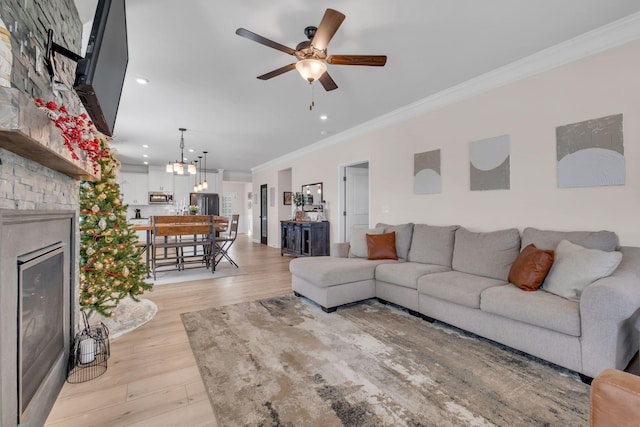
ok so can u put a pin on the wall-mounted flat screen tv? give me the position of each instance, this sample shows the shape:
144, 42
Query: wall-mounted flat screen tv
100, 74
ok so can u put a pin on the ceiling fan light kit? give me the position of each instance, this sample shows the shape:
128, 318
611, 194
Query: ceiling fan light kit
311, 69
312, 54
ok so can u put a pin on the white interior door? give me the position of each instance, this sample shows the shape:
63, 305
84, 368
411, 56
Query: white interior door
356, 198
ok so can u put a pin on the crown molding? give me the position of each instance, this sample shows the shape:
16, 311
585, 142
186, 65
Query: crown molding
603, 38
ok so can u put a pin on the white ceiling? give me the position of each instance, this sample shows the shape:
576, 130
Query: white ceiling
203, 76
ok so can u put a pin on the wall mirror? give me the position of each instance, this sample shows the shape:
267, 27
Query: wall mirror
312, 196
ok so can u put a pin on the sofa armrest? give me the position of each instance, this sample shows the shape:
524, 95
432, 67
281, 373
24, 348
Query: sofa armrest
608, 310
340, 250
615, 399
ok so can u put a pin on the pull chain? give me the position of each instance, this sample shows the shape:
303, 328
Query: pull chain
312, 102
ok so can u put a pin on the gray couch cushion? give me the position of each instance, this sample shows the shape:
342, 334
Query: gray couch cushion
358, 241
537, 308
328, 271
454, 286
548, 239
407, 273
403, 237
486, 254
432, 244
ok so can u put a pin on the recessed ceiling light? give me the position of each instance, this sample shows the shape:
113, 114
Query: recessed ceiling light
145, 155
323, 117
191, 150
184, 159
142, 80
324, 132
145, 145
146, 163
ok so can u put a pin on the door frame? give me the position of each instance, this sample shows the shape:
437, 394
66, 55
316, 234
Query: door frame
264, 209
342, 194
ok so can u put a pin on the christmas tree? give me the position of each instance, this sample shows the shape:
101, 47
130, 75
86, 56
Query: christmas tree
111, 267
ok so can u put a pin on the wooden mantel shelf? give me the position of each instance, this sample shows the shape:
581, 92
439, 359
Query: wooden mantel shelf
27, 131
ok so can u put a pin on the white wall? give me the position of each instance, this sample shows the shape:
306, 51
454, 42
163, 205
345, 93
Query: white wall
529, 111
240, 205
284, 184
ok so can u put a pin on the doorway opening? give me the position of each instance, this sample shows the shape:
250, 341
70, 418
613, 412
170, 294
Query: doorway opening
354, 197
264, 207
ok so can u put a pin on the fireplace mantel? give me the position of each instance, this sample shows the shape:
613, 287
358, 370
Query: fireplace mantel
27, 132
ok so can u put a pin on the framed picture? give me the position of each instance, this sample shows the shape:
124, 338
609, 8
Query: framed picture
287, 197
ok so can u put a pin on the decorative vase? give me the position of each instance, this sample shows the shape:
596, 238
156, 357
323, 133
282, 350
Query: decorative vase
6, 57
299, 214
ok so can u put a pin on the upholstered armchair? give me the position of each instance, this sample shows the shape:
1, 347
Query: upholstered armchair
615, 399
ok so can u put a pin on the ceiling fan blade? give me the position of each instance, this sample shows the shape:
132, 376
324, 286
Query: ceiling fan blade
328, 26
327, 82
372, 60
258, 38
277, 72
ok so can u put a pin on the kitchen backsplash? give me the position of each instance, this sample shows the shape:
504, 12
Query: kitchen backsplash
151, 210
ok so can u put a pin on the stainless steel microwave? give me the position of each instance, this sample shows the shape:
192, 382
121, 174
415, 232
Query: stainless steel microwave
160, 198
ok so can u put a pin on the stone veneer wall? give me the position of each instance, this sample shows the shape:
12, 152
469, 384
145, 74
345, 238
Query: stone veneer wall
25, 184
28, 22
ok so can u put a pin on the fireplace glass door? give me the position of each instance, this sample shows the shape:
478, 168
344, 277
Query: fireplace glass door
40, 311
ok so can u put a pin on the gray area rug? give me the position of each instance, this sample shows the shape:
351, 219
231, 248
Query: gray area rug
168, 277
284, 362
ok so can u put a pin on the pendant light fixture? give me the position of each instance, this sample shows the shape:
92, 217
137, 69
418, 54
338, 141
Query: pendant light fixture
178, 167
205, 184
199, 186
195, 182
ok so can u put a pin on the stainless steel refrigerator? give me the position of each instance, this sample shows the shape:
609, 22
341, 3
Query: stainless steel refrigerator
208, 203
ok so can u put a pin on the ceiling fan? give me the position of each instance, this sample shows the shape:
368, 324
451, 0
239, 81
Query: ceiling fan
312, 54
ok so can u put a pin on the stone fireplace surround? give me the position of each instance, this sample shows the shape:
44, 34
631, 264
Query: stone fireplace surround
39, 204
21, 232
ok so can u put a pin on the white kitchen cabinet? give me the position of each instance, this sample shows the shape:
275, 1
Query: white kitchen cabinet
134, 189
160, 180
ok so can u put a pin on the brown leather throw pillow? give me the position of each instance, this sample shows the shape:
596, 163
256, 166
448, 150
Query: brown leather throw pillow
382, 246
531, 267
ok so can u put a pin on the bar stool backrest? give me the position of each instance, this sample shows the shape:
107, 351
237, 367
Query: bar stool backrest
180, 225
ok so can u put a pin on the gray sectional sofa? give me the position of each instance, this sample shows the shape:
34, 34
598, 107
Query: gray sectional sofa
460, 277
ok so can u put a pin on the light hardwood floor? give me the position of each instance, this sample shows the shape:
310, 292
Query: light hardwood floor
152, 378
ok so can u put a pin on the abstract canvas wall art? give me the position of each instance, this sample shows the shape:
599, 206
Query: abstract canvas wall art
426, 173
591, 153
490, 164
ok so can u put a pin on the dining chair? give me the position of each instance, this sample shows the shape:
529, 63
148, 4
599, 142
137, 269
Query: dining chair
222, 224
224, 243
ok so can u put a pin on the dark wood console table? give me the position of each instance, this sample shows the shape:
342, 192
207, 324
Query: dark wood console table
304, 238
